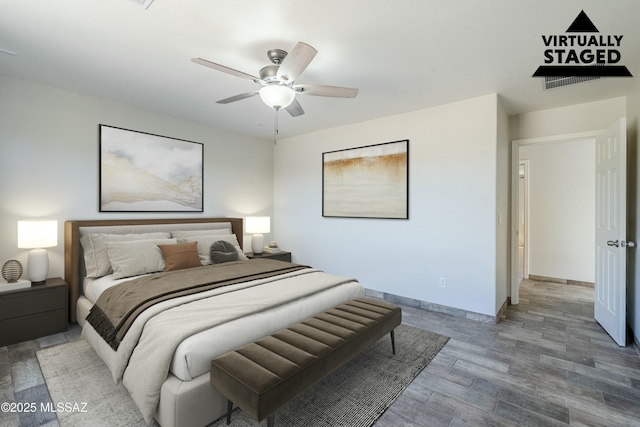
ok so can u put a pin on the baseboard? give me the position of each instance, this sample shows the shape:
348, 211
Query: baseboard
430, 306
502, 312
560, 280
537, 278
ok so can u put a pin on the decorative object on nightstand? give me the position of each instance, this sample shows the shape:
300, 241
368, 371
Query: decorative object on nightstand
11, 271
37, 235
12, 286
257, 225
272, 248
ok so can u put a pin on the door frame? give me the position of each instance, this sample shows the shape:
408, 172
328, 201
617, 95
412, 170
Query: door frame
525, 258
514, 288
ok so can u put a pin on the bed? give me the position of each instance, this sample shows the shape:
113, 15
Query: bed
164, 358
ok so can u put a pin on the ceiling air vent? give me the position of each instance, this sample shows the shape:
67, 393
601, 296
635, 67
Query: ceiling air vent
556, 82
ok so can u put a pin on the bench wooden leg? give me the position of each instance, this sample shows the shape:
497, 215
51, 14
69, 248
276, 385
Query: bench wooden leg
271, 420
229, 409
393, 341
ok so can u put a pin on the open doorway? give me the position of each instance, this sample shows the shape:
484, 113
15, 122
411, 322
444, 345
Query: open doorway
609, 268
561, 222
544, 245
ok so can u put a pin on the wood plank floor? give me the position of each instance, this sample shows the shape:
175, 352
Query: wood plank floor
547, 363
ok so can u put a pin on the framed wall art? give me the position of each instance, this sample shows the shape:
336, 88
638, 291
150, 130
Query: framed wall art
367, 182
142, 172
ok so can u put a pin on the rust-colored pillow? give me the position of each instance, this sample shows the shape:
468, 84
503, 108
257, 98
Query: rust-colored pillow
180, 256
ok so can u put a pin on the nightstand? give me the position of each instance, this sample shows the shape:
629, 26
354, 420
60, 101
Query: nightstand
33, 312
281, 256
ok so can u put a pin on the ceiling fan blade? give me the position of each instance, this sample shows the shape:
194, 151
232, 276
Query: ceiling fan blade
325, 90
296, 62
237, 97
295, 109
224, 69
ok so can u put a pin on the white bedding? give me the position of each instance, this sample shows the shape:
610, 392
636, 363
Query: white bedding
242, 313
93, 287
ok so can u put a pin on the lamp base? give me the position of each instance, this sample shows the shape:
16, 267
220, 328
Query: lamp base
38, 266
257, 243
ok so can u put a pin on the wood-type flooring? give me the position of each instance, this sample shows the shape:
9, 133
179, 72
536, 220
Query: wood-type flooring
546, 363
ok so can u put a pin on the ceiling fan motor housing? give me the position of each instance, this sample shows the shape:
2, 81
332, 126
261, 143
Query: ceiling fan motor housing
276, 56
269, 73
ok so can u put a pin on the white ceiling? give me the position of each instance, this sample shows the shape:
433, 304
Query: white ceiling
403, 55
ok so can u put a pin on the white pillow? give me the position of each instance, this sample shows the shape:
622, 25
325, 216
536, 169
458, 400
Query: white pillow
205, 242
184, 234
134, 258
94, 246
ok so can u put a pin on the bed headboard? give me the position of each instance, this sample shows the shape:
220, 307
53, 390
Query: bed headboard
73, 257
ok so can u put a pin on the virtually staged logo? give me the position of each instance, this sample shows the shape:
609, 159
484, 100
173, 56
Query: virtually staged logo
581, 53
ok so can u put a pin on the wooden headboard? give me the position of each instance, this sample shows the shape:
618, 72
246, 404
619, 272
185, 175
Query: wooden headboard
73, 254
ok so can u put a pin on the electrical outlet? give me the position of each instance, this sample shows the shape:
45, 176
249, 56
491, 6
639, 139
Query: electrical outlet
443, 282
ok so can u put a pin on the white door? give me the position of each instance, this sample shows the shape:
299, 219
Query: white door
611, 229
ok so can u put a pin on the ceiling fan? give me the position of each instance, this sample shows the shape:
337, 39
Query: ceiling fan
278, 89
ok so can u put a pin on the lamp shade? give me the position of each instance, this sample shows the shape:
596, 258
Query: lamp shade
37, 233
258, 224
276, 96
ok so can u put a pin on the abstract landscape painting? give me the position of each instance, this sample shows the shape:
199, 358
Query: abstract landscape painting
367, 182
141, 172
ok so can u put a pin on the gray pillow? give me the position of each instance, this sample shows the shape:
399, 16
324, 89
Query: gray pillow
222, 251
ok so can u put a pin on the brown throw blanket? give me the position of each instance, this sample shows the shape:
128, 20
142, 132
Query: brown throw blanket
118, 306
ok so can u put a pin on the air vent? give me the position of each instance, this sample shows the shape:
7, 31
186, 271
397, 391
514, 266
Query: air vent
556, 82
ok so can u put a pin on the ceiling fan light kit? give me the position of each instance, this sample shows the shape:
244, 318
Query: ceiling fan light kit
277, 96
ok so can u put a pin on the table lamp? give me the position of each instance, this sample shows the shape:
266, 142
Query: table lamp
257, 225
36, 235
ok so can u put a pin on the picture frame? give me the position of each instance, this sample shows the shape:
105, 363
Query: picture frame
144, 172
367, 182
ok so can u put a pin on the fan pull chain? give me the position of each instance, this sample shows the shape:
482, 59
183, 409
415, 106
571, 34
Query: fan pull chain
275, 128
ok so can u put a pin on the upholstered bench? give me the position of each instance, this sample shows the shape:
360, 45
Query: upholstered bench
262, 376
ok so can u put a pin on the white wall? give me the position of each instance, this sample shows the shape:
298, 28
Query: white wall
590, 116
451, 231
561, 209
503, 177
50, 162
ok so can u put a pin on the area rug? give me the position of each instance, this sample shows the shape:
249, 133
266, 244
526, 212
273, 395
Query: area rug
354, 395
